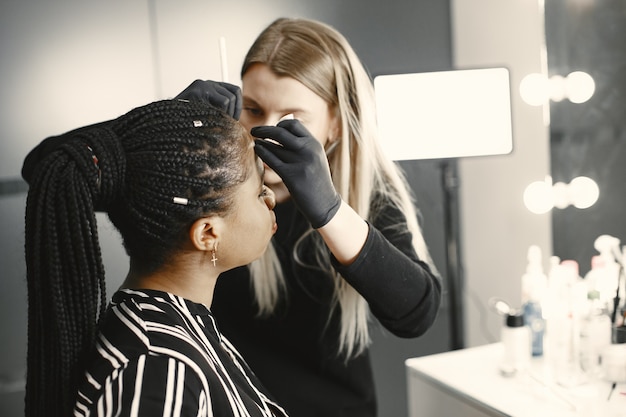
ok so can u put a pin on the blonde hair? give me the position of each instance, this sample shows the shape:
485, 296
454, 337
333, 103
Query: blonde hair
319, 57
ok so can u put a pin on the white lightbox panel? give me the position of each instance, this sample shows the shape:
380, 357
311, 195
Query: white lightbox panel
445, 114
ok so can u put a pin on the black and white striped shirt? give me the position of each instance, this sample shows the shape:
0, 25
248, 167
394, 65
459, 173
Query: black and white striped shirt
158, 354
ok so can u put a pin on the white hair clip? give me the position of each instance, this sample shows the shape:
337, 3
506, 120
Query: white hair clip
180, 200
197, 123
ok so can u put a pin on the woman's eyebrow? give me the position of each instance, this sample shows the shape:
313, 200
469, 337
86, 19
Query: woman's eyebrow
260, 167
249, 101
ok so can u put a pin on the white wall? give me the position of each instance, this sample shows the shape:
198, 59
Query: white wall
496, 228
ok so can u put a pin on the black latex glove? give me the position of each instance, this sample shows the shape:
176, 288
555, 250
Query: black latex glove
219, 94
299, 159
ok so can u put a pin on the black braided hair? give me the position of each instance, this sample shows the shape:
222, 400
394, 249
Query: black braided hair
133, 168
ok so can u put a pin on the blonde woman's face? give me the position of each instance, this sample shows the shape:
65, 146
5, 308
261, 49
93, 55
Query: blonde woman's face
267, 98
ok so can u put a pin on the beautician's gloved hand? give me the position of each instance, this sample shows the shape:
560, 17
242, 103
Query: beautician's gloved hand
219, 94
301, 162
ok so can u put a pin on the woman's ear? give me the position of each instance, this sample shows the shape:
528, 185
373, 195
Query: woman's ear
204, 233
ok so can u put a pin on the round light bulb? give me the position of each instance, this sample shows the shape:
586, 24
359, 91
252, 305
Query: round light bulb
557, 88
561, 195
580, 86
584, 192
535, 89
538, 197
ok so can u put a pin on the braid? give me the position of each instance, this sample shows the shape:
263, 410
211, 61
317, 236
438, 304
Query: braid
65, 295
132, 167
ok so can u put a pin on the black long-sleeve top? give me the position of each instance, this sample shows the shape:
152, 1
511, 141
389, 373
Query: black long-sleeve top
294, 352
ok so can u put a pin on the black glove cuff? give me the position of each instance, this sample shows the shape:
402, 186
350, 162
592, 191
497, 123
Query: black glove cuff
330, 213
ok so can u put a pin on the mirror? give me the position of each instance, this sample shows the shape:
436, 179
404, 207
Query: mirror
588, 139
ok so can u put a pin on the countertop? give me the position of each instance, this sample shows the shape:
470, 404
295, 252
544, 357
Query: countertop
468, 381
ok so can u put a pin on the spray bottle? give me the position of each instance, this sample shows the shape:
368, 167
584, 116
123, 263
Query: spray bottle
605, 281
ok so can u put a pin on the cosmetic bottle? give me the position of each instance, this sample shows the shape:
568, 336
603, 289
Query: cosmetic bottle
515, 338
595, 336
595, 329
568, 297
534, 285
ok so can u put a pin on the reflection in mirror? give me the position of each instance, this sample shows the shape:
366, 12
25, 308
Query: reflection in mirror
588, 139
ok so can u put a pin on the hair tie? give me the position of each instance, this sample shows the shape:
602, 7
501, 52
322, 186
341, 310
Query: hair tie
109, 160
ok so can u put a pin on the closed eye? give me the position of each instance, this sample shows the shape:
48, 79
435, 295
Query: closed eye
253, 111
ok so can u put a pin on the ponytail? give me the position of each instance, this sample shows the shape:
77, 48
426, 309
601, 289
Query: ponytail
65, 272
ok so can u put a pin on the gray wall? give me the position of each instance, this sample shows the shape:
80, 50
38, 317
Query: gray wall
68, 63
496, 227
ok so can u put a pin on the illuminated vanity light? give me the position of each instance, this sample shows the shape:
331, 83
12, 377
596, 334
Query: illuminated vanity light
558, 88
538, 196
542, 196
579, 86
584, 192
537, 89
561, 195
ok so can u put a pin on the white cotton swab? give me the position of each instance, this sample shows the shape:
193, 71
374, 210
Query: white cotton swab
288, 116
223, 59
